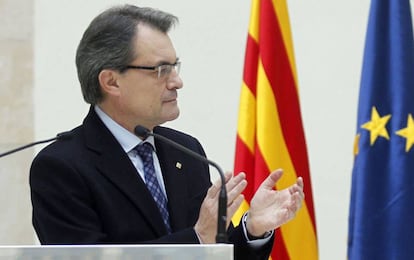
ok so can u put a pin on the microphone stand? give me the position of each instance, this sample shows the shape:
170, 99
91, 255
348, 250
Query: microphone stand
221, 236
57, 137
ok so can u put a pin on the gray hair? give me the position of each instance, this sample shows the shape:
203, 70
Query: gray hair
107, 43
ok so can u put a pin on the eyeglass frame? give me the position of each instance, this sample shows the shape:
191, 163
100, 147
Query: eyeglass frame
176, 66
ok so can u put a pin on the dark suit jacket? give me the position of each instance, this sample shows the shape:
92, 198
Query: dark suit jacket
85, 190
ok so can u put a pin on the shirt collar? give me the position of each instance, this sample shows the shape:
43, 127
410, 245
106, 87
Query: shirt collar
126, 139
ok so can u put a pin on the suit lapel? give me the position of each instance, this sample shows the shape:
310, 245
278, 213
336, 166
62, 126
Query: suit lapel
174, 174
116, 166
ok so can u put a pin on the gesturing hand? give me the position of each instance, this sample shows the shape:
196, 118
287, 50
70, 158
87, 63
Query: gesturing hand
269, 209
206, 226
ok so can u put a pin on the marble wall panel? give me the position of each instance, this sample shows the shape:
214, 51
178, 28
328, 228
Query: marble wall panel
16, 115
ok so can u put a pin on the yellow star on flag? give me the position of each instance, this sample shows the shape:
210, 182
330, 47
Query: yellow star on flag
377, 126
408, 133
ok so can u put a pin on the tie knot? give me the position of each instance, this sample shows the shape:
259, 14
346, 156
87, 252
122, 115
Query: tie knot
144, 149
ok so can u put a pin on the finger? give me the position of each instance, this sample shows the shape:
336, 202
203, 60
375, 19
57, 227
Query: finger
294, 188
296, 202
215, 188
271, 180
227, 177
232, 208
300, 182
297, 188
235, 181
233, 193
301, 196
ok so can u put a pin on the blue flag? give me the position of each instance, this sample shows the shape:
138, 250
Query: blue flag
381, 218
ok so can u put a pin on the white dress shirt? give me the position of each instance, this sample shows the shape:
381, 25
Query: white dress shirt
128, 142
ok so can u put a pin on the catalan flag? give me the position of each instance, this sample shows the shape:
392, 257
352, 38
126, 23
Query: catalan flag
381, 218
270, 133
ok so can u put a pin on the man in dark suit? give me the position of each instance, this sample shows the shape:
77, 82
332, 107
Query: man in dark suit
103, 184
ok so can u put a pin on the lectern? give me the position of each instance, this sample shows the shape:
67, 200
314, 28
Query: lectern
118, 252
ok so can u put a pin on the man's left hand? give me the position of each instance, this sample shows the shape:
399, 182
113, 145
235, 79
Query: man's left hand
269, 208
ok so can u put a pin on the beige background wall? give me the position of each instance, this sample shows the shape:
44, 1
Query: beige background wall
40, 94
16, 113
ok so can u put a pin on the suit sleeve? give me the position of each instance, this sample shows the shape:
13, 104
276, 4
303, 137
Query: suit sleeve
61, 204
242, 250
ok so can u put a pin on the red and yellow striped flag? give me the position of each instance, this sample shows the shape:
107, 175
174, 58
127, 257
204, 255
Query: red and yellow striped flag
270, 133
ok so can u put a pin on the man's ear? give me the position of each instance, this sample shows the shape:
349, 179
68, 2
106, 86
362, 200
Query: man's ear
108, 81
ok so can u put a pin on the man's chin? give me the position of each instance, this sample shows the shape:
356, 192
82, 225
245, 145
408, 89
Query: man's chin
171, 117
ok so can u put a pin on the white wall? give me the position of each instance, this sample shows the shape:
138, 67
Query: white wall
328, 38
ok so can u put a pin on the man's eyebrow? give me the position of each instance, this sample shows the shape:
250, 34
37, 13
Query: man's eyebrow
167, 62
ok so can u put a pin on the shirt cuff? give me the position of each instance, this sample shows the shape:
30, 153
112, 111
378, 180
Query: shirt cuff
255, 243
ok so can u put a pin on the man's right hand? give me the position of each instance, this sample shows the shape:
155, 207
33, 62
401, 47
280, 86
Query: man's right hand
206, 226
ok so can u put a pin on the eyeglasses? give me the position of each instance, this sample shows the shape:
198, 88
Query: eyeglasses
163, 69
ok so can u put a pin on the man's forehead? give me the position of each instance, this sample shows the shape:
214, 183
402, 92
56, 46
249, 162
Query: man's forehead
154, 45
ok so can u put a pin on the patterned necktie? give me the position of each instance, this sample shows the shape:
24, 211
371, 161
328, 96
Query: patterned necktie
145, 150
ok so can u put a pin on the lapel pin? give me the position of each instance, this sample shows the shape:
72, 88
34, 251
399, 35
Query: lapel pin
178, 165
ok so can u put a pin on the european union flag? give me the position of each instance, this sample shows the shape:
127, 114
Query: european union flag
381, 220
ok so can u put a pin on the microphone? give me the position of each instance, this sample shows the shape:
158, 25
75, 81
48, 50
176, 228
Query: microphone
221, 236
60, 136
